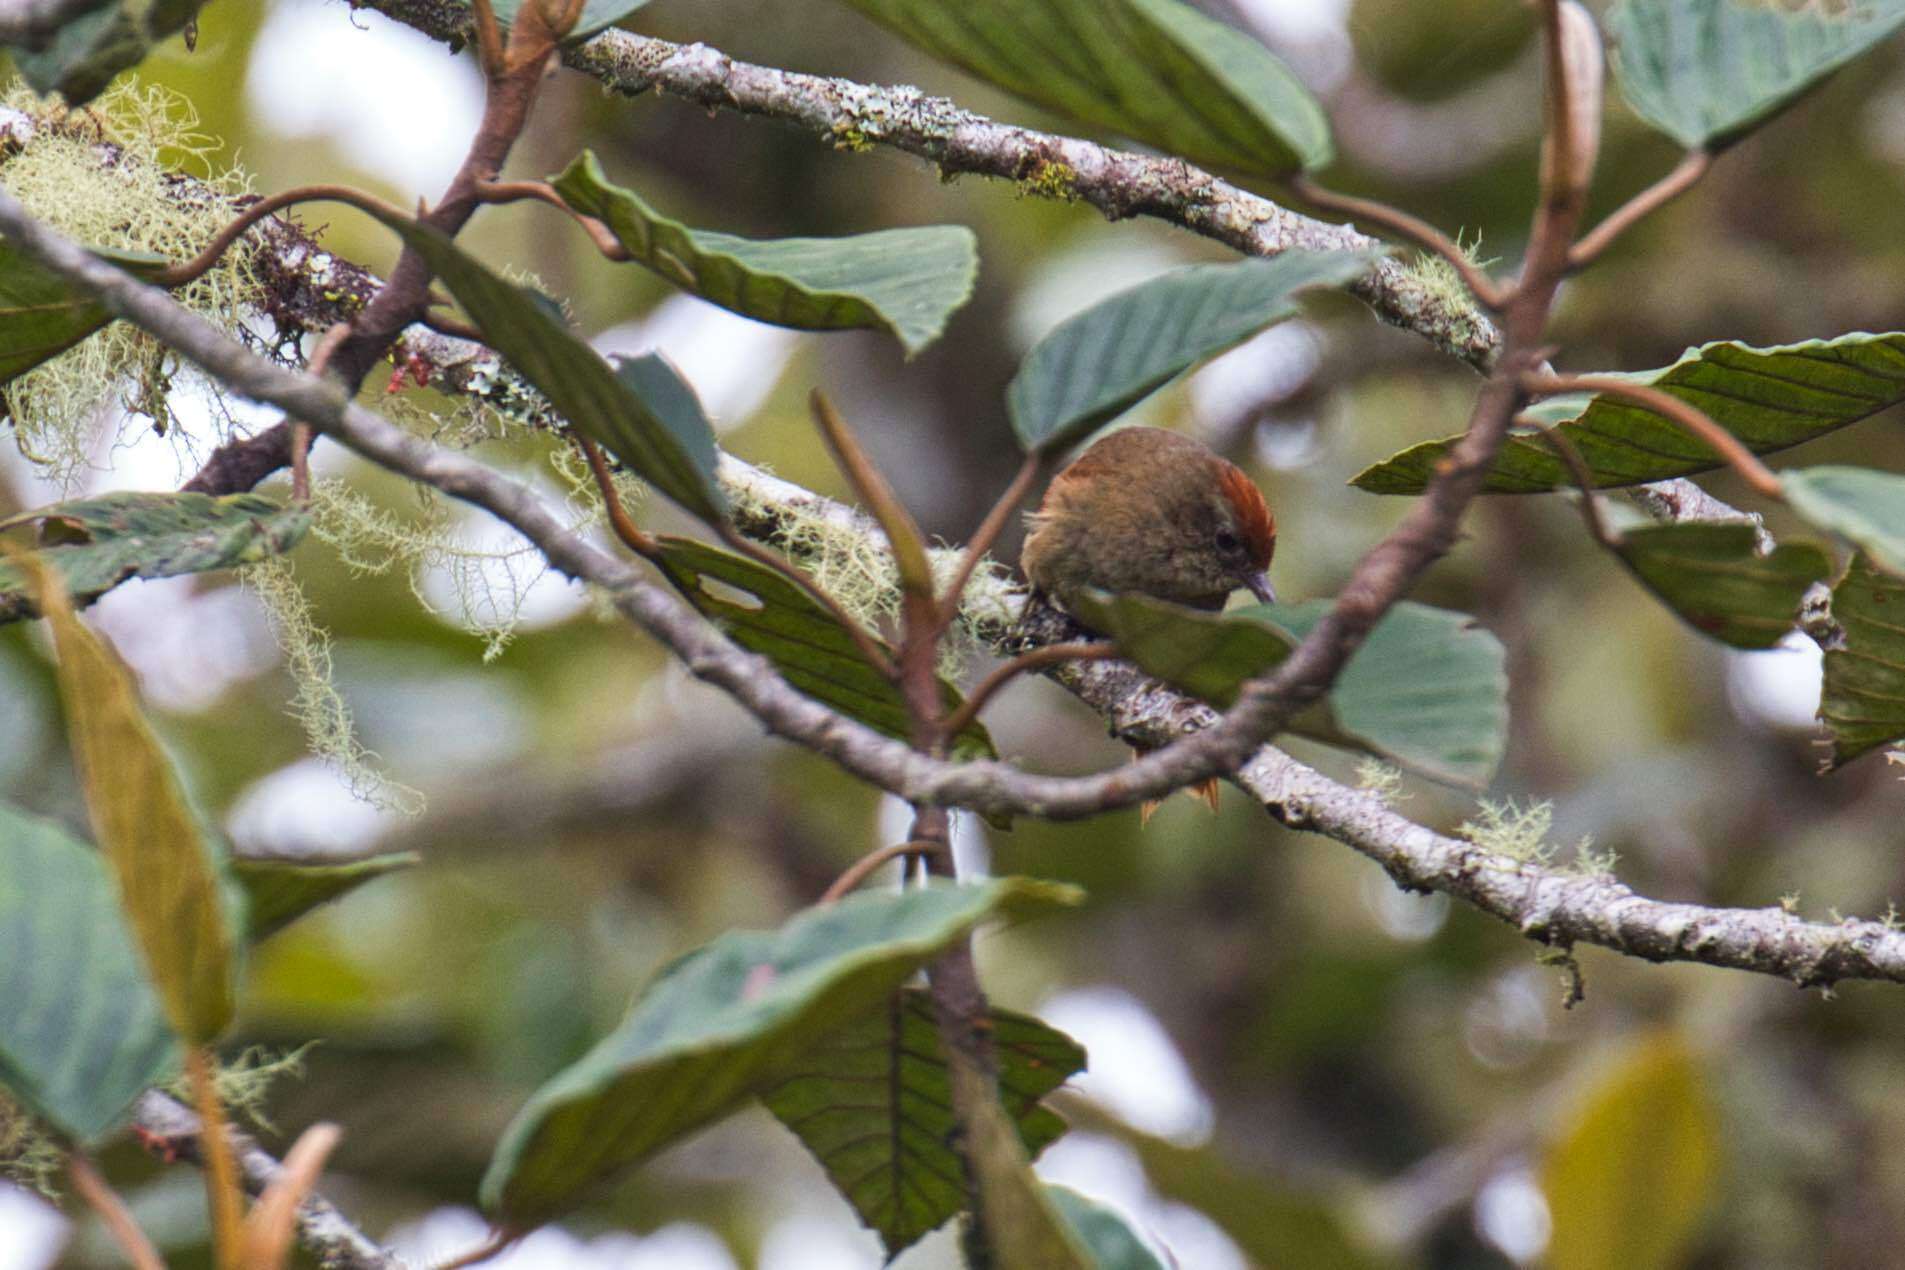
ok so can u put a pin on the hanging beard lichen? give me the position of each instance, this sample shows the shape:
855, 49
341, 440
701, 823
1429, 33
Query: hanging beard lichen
107, 177
318, 705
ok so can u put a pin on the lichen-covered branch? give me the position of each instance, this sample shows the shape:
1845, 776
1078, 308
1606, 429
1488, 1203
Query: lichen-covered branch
1556, 906
1118, 183
322, 1230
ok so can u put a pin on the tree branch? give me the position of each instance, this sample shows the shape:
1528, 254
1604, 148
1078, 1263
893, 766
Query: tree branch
1549, 904
324, 1232
993, 787
1116, 182
1553, 906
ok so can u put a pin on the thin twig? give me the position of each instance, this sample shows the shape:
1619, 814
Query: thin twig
191, 270
1590, 508
1487, 292
1732, 451
1684, 177
988, 533
1034, 659
542, 192
906, 543
112, 1210
221, 1175
320, 358
632, 535
863, 868
490, 1247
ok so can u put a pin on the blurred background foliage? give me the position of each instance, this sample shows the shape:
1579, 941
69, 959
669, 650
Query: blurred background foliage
1352, 1076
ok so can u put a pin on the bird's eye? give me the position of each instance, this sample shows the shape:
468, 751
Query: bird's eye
1227, 541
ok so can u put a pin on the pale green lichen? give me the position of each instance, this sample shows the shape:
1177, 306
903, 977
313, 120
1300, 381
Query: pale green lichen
244, 1085
316, 704
122, 197
29, 1155
1521, 833
1444, 292
854, 567
1381, 781
1050, 179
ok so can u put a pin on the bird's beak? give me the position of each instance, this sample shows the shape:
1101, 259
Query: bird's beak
1259, 584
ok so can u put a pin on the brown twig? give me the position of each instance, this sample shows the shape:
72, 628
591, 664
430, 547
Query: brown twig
1034, 659
1684, 177
1590, 509
983, 537
863, 868
632, 535
1487, 292
112, 1210
1730, 448
903, 537
490, 1247
191, 270
320, 358
542, 192
221, 1175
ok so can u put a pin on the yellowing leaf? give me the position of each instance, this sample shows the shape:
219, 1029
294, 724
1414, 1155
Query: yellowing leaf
169, 885
1632, 1173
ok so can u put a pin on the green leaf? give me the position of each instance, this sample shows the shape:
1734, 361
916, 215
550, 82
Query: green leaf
906, 282
722, 1024
42, 314
1099, 363
1770, 398
279, 891
97, 543
170, 882
1862, 700
1633, 1170
94, 47
674, 453
1712, 574
1427, 690
597, 16
1104, 1232
873, 1102
1861, 505
1706, 72
1155, 70
81, 1033
805, 643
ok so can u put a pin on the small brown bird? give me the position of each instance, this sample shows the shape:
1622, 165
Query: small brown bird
1150, 511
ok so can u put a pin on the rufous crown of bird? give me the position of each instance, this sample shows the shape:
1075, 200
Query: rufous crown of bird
1149, 511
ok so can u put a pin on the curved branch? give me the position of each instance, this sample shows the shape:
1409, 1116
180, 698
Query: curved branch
1731, 449
1554, 906
993, 787
1116, 182
1549, 904
1685, 176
